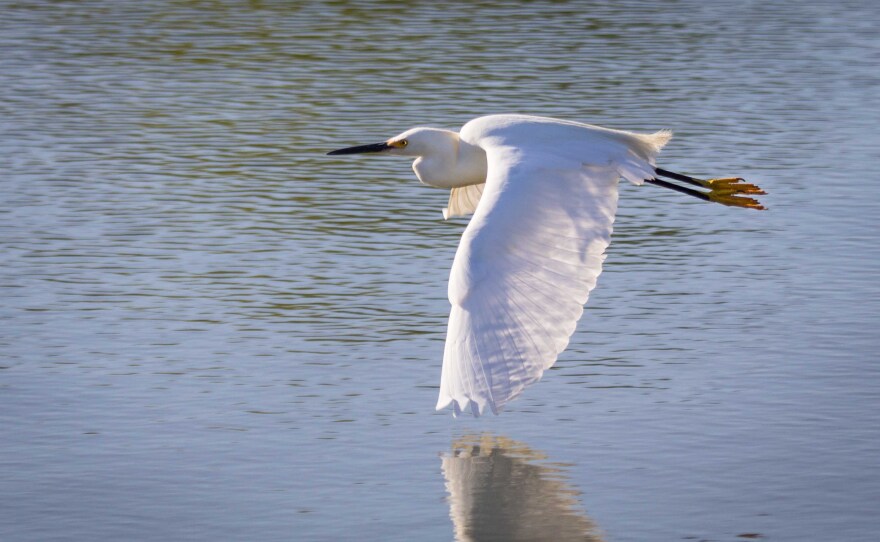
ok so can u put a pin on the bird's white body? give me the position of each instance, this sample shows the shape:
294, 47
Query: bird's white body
533, 249
458, 160
543, 193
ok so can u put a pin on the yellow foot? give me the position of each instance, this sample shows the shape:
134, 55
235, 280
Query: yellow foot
732, 185
735, 201
730, 191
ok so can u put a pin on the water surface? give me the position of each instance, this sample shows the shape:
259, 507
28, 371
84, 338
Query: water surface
211, 330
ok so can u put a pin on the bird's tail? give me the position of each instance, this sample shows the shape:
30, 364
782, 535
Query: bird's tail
657, 140
641, 157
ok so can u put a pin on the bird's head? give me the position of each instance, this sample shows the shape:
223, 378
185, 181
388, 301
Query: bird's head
442, 159
413, 142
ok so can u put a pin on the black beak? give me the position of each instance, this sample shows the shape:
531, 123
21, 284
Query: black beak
375, 147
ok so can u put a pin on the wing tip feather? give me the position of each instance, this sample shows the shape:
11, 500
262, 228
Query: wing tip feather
461, 405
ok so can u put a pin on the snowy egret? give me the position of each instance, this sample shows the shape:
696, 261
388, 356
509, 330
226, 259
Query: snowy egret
543, 194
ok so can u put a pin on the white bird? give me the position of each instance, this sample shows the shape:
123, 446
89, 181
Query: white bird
543, 193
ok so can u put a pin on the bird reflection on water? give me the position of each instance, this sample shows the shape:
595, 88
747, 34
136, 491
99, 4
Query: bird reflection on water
502, 490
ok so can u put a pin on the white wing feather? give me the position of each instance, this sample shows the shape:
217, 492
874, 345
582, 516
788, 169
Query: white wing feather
531, 253
463, 200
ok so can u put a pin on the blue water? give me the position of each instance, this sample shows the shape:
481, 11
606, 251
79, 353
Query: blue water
211, 330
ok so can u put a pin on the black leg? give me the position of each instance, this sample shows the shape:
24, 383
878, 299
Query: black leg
680, 177
682, 189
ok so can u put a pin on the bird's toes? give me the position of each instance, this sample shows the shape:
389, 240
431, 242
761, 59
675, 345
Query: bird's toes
735, 201
738, 189
728, 186
723, 182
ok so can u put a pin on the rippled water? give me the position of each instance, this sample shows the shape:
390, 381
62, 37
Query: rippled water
211, 330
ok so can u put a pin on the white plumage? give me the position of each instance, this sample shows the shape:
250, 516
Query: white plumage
533, 250
543, 193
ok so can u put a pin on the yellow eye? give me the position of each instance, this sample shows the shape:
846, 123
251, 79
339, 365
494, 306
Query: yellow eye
404, 143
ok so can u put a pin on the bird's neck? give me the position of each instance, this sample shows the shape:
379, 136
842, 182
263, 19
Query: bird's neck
452, 164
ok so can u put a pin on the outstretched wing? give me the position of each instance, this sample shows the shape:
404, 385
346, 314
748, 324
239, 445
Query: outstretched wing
523, 271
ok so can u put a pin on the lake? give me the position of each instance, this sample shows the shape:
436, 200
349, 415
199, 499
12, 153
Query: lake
210, 330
